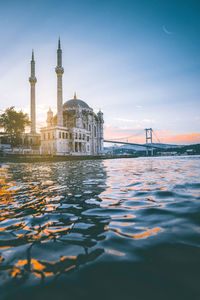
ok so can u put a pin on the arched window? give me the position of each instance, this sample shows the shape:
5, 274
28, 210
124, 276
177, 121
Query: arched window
59, 135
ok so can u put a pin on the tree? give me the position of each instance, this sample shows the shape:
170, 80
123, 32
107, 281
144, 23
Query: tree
14, 124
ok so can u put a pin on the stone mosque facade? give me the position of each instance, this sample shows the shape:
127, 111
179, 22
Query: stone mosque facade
75, 129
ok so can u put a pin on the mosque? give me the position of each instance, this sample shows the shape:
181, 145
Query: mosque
75, 129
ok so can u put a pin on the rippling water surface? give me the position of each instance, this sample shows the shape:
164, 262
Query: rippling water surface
113, 229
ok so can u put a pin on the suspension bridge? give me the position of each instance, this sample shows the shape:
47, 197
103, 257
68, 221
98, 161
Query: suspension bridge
149, 132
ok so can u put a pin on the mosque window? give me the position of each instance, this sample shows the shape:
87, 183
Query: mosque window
84, 125
88, 138
95, 131
83, 136
88, 148
89, 128
70, 135
79, 136
66, 135
76, 147
59, 135
76, 135
63, 135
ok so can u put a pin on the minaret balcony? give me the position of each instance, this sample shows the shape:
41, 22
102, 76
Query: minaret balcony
32, 80
59, 70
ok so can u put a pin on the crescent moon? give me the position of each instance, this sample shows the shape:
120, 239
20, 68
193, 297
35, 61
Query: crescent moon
166, 31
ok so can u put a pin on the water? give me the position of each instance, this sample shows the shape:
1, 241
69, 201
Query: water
113, 229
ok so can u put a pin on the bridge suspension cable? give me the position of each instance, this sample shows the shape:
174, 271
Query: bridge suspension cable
124, 138
128, 137
156, 136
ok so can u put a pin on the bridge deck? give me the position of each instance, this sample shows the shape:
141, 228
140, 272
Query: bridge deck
133, 144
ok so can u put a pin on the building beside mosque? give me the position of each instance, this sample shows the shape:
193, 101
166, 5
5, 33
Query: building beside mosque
75, 129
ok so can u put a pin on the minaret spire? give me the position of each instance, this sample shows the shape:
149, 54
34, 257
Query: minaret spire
59, 54
32, 66
33, 80
59, 71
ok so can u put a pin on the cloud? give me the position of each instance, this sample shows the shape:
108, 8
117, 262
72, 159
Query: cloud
135, 121
188, 138
126, 120
134, 134
148, 121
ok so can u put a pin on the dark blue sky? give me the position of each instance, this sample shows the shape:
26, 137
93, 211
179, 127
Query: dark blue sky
137, 60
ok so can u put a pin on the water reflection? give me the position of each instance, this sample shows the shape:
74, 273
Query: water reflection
57, 218
43, 225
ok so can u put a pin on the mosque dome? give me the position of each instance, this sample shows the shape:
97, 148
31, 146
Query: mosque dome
75, 103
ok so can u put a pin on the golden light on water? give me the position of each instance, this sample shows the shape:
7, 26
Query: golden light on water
53, 220
115, 252
143, 235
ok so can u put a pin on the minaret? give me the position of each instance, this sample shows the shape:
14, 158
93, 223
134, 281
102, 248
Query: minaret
33, 81
59, 71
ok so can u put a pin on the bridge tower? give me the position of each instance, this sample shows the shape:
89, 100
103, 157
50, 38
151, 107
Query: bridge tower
149, 140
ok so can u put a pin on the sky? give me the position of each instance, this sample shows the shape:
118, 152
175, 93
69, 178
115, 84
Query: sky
137, 60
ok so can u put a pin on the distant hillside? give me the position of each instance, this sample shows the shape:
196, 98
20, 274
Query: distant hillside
180, 149
142, 148
166, 146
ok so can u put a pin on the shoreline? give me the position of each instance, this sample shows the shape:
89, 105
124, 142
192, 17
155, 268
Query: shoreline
16, 158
